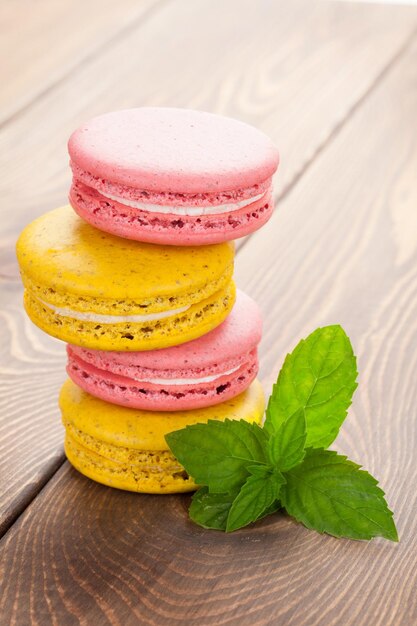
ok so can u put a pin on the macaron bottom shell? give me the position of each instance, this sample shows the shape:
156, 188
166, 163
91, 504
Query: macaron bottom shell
157, 472
167, 229
198, 320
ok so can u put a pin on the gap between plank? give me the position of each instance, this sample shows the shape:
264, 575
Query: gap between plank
10, 520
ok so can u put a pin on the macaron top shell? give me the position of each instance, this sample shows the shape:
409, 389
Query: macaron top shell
173, 151
65, 253
237, 335
146, 430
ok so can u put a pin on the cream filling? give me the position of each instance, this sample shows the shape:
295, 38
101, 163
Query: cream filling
187, 381
113, 319
185, 210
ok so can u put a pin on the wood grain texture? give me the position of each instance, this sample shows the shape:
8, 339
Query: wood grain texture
32, 368
43, 41
340, 248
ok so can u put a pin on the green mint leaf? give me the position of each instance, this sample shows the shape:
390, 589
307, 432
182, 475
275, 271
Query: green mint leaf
256, 496
331, 494
286, 444
275, 506
261, 471
210, 510
319, 376
217, 454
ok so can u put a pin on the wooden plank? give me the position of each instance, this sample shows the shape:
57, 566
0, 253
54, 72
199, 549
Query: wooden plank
339, 249
43, 41
32, 367
293, 69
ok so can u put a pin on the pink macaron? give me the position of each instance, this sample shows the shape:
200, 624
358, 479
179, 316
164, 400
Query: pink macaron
172, 176
203, 372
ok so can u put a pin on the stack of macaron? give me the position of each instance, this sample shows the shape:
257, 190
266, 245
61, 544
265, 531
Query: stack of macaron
136, 275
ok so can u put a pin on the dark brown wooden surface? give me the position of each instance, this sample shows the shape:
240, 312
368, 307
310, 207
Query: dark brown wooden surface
335, 85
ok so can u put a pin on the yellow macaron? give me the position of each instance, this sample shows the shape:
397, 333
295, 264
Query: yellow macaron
126, 448
96, 290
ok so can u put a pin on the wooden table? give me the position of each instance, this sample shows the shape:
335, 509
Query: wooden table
335, 85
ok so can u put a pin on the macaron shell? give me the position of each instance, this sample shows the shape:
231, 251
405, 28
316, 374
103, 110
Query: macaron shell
198, 320
139, 478
66, 257
169, 229
173, 150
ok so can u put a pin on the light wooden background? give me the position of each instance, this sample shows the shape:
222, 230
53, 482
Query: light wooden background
335, 85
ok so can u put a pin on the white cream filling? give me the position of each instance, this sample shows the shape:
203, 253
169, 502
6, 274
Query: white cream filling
187, 381
113, 319
185, 210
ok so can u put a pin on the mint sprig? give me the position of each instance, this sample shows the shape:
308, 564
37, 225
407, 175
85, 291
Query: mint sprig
247, 472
